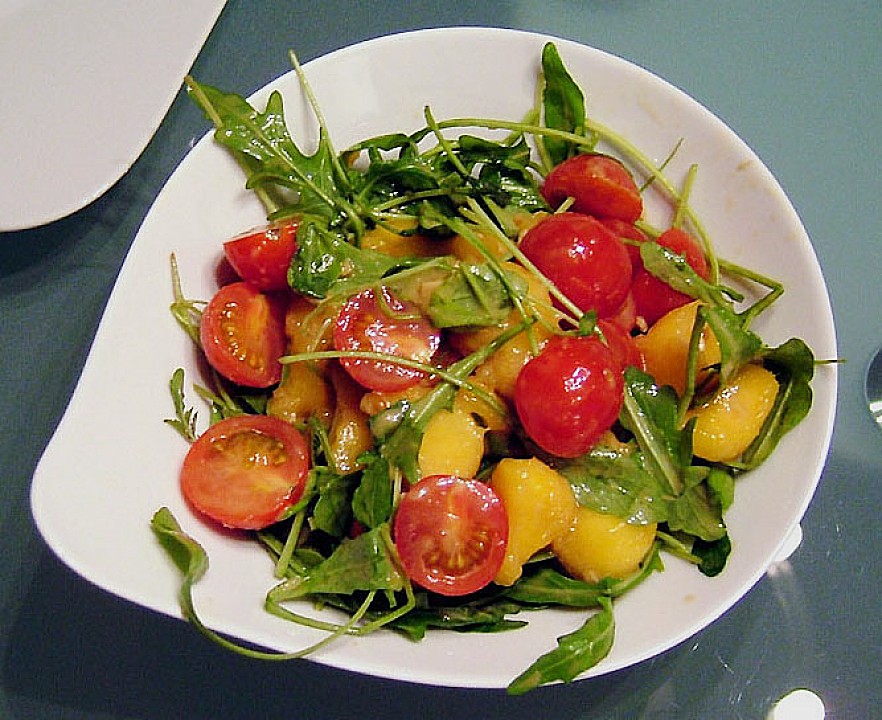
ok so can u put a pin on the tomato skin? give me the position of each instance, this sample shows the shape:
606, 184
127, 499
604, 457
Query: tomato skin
451, 534
626, 316
242, 333
245, 471
654, 297
628, 231
599, 185
569, 395
586, 261
621, 344
262, 255
364, 324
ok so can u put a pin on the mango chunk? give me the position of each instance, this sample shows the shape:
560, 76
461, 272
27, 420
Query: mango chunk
540, 506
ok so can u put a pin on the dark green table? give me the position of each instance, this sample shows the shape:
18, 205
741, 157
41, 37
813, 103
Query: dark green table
798, 80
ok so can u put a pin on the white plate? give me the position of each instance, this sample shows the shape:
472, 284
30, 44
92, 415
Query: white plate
84, 87
112, 462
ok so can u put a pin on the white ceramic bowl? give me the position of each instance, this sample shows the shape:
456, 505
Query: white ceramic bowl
113, 462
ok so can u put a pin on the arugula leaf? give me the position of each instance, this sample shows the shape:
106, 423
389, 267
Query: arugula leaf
473, 618
673, 269
262, 140
575, 653
738, 345
793, 365
332, 511
549, 587
472, 295
650, 413
617, 482
360, 563
697, 510
185, 417
713, 555
325, 260
372, 501
563, 104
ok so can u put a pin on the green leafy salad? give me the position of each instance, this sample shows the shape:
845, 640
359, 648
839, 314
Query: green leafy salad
459, 377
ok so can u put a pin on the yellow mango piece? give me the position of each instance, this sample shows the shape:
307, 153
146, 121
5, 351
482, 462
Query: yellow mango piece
727, 424
500, 372
389, 242
665, 348
375, 401
303, 392
452, 444
487, 416
350, 434
464, 250
598, 545
540, 506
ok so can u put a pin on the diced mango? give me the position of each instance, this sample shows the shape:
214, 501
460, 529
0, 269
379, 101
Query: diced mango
452, 444
302, 393
400, 240
540, 506
350, 434
500, 372
727, 424
665, 348
598, 546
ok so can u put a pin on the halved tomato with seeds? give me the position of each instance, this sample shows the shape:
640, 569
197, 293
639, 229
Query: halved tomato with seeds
451, 534
242, 332
245, 471
377, 321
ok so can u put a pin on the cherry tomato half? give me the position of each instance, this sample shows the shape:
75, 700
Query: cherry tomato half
655, 297
386, 325
451, 534
243, 335
569, 395
245, 471
599, 185
262, 255
586, 261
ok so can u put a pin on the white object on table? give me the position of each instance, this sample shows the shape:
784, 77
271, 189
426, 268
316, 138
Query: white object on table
83, 88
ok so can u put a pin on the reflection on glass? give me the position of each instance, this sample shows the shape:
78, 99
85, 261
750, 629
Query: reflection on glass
799, 704
793, 541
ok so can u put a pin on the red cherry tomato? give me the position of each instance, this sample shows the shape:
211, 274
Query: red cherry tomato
628, 231
621, 344
262, 255
569, 395
626, 316
586, 261
245, 471
451, 534
243, 335
655, 297
392, 327
599, 185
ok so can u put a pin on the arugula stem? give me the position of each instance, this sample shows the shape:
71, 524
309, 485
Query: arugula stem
568, 304
776, 289
287, 552
691, 364
446, 375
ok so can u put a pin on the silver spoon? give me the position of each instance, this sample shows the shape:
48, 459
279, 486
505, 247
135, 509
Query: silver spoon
873, 386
